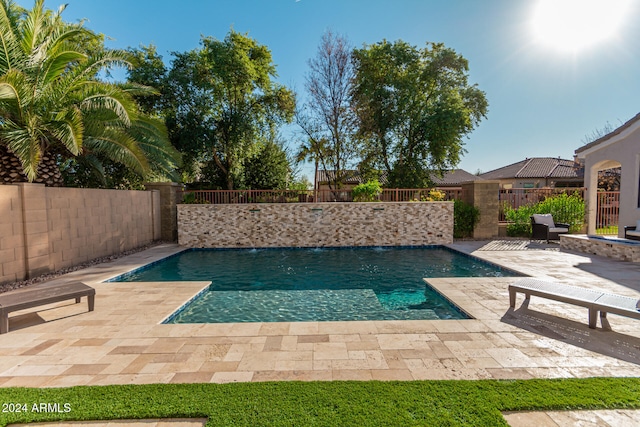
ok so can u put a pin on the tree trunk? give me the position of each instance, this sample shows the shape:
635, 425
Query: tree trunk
11, 170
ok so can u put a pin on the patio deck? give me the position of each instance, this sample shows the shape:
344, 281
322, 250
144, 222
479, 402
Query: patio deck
122, 342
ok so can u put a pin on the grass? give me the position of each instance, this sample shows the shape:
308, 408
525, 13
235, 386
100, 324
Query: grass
344, 403
610, 229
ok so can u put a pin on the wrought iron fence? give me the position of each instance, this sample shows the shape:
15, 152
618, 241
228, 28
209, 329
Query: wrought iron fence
607, 212
218, 197
518, 197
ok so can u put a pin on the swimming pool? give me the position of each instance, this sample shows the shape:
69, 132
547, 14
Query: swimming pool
329, 284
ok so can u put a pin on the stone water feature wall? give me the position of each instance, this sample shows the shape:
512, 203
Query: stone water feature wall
315, 225
619, 250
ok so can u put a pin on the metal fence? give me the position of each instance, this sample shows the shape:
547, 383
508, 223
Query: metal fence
608, 212
218, 197
518, 197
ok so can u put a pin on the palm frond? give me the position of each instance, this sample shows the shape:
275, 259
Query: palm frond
10, 52
118, 147
68, 129
26, 147
56, 65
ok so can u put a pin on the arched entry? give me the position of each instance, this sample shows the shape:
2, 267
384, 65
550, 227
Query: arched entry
603, 207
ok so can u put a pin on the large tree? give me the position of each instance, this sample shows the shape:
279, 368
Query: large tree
414, 107
327, 119
221, 102
53, 105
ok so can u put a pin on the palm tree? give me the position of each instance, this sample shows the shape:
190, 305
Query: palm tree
311, 151
54, 106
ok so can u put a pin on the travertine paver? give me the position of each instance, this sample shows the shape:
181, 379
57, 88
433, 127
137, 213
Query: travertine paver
123, 342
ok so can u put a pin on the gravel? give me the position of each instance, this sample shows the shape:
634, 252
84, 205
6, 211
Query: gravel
48, 276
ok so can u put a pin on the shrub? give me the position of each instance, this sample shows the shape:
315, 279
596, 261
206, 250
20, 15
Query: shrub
519, 222
367, 192
436, 196
465, 219
565, 208
190, 199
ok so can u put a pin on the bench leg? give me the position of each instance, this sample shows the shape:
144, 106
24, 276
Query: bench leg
78, 300
593, 318
91, 301
4, 323
512, 298
604, 321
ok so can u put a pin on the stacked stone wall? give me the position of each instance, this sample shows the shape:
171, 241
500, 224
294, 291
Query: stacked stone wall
315, 225
617, 250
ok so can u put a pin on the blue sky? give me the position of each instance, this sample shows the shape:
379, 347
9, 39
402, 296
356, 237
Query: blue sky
542, 101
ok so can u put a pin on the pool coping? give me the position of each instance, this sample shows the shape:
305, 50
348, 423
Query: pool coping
121, 342
466, 311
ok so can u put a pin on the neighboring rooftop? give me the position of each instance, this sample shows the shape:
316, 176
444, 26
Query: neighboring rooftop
537, 167
454, 177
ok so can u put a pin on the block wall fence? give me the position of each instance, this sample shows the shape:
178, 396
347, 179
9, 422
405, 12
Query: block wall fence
44, 229
315, 225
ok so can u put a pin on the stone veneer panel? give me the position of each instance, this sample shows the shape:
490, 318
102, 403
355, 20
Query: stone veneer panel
619, 251
315, 225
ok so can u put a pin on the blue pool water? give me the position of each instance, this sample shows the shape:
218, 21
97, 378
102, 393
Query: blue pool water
334, 284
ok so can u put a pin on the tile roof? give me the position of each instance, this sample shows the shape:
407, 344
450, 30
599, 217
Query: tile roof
454, 177
537, 167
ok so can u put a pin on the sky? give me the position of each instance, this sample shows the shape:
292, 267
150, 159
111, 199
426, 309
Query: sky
552, 77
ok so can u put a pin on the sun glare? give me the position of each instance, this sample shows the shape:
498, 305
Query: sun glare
573, 25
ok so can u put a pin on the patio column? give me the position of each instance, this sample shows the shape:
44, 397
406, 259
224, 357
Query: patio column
591, 196
169, 199
484, 196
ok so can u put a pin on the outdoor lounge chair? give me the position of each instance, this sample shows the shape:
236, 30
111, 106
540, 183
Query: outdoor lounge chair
591, 299
632, 231
544, 228
42, 294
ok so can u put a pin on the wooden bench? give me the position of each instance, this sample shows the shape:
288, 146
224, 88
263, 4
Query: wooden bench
42, 294
593, 300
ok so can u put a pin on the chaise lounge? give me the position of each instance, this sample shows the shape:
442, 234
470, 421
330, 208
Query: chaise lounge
632, 231
544, 228
591, 299
42, 294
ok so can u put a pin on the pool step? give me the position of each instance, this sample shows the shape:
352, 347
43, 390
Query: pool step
292, 305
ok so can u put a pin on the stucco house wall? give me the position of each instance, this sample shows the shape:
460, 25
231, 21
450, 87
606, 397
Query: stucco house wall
620, 148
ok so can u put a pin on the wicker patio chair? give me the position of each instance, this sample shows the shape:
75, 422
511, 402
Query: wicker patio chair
543, 227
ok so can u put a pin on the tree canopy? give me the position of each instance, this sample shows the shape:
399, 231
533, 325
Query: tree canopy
414, 107
54, 106
327, 120
220, 103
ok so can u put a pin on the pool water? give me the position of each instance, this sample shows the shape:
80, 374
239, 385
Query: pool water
334, 284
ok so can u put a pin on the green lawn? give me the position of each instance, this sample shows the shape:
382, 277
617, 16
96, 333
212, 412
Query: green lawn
609, 230
344, 403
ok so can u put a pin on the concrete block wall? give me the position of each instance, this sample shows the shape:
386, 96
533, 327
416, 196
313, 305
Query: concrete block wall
315, 225
44, 229
12, 251
484, 196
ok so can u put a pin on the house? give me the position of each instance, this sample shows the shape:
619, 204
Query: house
538, 172
617, 149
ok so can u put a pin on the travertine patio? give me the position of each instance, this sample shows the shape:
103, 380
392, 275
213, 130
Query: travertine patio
123, 342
